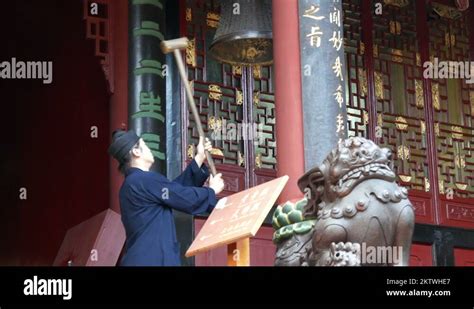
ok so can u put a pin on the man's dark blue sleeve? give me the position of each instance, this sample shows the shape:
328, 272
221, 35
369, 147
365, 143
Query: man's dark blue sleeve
188, 199
193, 175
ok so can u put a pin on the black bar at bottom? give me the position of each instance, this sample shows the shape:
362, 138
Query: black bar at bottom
350, 285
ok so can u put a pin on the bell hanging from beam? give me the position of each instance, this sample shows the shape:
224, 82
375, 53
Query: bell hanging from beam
244, 35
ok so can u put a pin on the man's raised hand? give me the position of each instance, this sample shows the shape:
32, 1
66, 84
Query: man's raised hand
216, 183
201, 147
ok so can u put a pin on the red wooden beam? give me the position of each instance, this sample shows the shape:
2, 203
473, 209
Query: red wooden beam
367, 39
423, 40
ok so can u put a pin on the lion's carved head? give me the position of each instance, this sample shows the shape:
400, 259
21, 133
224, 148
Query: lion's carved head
355, 160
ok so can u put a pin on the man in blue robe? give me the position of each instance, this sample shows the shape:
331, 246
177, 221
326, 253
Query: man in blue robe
147, 199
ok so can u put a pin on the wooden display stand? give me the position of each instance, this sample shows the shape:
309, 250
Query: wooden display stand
235, 219
97, 241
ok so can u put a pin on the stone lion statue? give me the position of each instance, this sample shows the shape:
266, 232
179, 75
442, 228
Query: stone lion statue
353, 213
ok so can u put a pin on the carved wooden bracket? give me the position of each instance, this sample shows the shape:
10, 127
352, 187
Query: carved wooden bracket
98, 17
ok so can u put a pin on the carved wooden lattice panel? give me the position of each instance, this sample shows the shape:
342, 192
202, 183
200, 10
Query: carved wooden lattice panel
216, 89
263, 114
453, 103
232, 101
217, 92
98, 29
399, 93
356, 86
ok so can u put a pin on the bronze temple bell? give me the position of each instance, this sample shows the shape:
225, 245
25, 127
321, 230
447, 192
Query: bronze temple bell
244, 35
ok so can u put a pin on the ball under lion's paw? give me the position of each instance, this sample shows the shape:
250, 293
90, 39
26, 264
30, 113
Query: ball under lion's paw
344, 254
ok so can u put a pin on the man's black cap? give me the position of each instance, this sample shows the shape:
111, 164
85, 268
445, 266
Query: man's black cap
122, 143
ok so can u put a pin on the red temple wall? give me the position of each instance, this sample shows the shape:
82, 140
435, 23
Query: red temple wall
48, 148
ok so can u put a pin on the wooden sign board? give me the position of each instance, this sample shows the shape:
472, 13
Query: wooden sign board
237, 216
